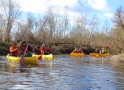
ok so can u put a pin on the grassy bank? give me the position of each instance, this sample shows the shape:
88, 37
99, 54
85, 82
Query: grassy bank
4, 48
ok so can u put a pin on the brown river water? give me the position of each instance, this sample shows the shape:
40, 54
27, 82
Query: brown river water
63, 73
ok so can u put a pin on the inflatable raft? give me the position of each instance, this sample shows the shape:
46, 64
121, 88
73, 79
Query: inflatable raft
99, 55
76, 54
49, 57
27, 60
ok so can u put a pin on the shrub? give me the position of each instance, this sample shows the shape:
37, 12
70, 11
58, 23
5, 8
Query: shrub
4, 48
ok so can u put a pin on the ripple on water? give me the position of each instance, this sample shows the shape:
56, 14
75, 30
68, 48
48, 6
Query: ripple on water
65, 73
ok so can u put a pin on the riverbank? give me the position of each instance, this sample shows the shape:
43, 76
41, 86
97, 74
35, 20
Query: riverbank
117, 58
4, 48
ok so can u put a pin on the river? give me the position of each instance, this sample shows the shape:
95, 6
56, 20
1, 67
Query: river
64, 73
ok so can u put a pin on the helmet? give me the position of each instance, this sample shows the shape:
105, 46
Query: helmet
43, 44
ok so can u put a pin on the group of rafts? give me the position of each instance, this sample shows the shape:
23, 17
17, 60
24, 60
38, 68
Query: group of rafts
91, 54
30, 60
50, 57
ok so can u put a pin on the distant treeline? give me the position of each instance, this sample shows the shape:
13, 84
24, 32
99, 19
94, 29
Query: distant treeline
58, 32
55, 49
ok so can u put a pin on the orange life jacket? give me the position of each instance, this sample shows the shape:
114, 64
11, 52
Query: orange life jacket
14, 51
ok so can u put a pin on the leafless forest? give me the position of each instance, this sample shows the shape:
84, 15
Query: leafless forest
57, 30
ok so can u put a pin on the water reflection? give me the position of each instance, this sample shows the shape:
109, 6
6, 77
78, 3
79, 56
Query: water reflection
15, 67
45, 64
64, 73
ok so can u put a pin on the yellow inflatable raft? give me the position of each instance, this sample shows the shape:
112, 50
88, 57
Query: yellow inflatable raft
27, 60
49, 57
77, 54
99, 55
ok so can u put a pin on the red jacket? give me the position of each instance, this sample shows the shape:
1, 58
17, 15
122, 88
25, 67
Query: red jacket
23, 48
37, 50
96, 51
48, 49
75, 51
43, 50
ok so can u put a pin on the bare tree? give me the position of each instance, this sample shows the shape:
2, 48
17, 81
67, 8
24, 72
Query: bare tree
117, 32
50, 24
79, 30
91, 29
65, 21
119, 17
25, 30
11, 13
2, 27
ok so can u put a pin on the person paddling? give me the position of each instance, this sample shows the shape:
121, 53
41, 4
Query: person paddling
44, 49
75, 50
80, 50
37, 50
96, 51
48, 49
103, 51
28, 51
14, 50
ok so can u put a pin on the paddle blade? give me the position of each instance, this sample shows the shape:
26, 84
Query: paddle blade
22, 61
84, 54
40, 57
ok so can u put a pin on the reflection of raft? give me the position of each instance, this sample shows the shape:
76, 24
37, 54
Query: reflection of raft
99, 55
27, 60
44, 57
77, 54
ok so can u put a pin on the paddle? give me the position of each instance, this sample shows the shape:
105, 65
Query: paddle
22, 58
42, 52
40, 57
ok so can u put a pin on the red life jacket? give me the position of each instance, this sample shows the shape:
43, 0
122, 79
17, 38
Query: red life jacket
75, 51
42, 49
24, 48
37, 50
48, 49
96, 51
